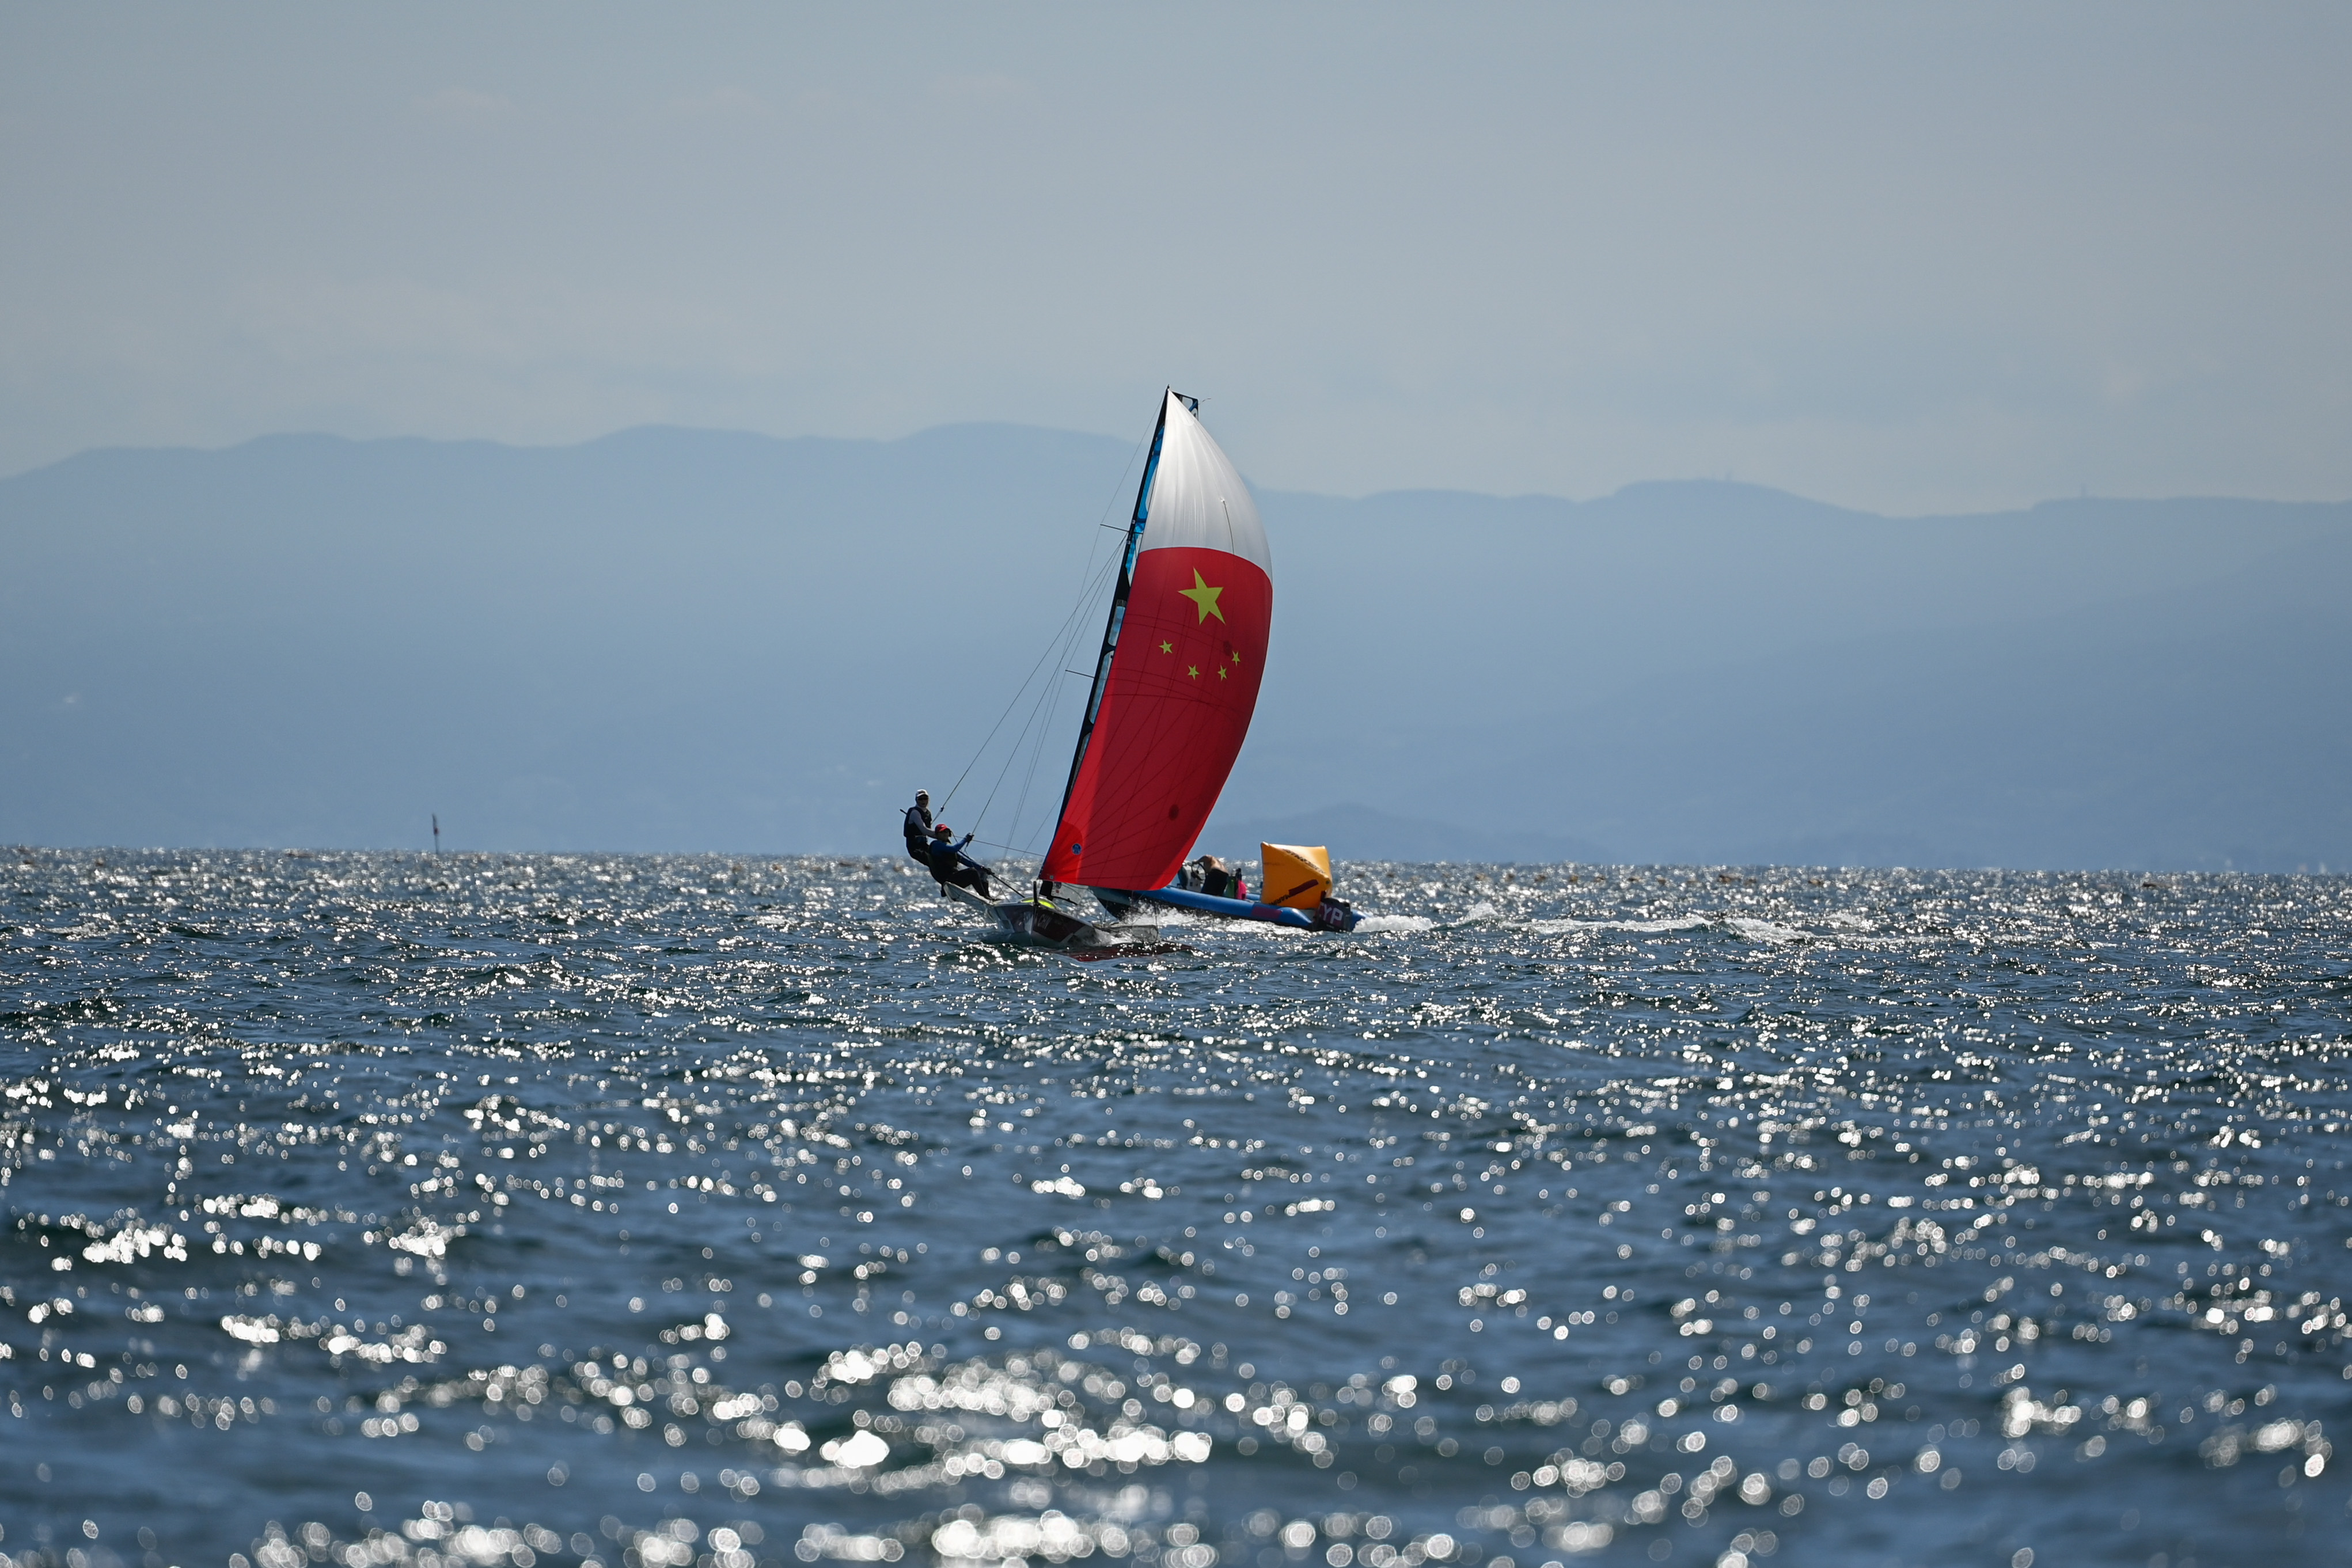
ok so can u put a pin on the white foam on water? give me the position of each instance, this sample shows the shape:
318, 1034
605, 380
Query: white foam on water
1641, 928
1764, 930
1396, 923
1739, 925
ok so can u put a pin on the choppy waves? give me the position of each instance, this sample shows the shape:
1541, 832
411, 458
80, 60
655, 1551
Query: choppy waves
713, 1214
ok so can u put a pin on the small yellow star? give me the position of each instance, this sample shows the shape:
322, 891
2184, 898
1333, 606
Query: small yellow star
1167, 647
1202, 596
1220, 674
1193, 671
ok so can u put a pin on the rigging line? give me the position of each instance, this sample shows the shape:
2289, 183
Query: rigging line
1029, 780
1087, 578
1012, 755
1070, 643
1040, 722
1115, 492
1040, 710
1060, 639
1051, 820
1018, 692
1119, 597
993, 844
1033, 737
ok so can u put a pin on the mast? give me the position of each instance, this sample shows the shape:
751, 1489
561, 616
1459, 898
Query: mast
1119, 597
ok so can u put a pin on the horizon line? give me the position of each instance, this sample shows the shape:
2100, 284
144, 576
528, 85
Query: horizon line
1697, 482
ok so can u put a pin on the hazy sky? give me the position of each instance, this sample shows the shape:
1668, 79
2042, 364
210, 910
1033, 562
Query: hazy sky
1902, 257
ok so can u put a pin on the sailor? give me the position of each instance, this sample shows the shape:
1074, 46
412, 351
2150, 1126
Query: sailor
919, 828
1215, 879
949, 863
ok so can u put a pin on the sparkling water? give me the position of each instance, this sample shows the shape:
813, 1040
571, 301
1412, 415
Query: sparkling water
694, 1213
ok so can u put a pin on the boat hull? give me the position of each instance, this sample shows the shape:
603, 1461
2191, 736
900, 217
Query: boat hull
1040, 923
1051, 927
1331, 915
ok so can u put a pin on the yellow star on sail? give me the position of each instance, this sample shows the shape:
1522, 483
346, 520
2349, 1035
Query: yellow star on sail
1167, 647
1202, 596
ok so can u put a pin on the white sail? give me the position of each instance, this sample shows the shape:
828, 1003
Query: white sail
1197, 498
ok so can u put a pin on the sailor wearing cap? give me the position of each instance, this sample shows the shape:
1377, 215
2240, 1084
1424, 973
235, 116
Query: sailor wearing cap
949, 862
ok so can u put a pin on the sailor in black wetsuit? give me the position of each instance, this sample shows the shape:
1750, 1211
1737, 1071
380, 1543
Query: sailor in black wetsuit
919, 829
949, 863
1214, 879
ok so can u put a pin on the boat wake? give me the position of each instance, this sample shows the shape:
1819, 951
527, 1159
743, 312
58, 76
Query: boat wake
1746, 928
1641, 928
1743, 926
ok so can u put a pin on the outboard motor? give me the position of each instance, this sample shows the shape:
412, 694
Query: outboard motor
1335, 914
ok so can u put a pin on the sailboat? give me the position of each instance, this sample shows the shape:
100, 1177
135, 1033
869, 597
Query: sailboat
1175, 685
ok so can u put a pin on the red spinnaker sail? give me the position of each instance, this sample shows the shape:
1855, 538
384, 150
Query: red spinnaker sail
1183, 678
1183, 686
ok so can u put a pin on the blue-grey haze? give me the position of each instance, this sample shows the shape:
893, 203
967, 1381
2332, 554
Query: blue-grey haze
674, 640
1908, 258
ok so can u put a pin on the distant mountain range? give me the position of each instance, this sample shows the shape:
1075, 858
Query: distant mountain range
688, 640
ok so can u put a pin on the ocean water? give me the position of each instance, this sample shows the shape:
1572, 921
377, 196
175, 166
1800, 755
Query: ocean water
689, 1213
